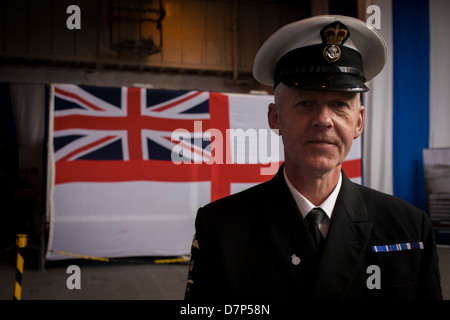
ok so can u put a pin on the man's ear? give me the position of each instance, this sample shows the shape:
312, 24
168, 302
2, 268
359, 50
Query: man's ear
359, 122
273, 118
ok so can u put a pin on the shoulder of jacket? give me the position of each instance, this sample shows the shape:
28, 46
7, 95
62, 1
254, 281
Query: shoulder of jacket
385, 206
247, 197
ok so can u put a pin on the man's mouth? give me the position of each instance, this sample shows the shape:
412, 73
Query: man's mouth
320, 142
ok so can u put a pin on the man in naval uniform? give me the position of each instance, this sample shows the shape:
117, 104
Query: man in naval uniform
310, 232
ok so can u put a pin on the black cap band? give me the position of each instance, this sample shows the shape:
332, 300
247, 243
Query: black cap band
311, 61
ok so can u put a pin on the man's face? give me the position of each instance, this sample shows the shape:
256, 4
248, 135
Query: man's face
317, 127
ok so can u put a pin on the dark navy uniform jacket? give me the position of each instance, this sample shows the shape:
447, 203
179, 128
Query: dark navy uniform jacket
255, 245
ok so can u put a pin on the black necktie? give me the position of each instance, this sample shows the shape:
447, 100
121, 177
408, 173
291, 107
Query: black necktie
314, 217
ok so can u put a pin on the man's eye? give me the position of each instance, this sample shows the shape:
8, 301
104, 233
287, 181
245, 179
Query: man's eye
305, 103
339, 104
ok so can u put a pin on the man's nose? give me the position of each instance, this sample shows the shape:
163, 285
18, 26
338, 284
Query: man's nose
322, 117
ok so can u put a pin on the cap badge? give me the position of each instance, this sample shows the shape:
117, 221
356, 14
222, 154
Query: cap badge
333, 35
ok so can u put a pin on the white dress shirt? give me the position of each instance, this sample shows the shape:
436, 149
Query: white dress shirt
305, 206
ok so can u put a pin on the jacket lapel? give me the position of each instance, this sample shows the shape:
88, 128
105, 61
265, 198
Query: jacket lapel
346, 244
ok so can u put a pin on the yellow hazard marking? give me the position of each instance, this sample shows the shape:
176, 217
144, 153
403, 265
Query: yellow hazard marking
184, 259
20, 263
175, 260
17, 291
21, 240
80, 256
